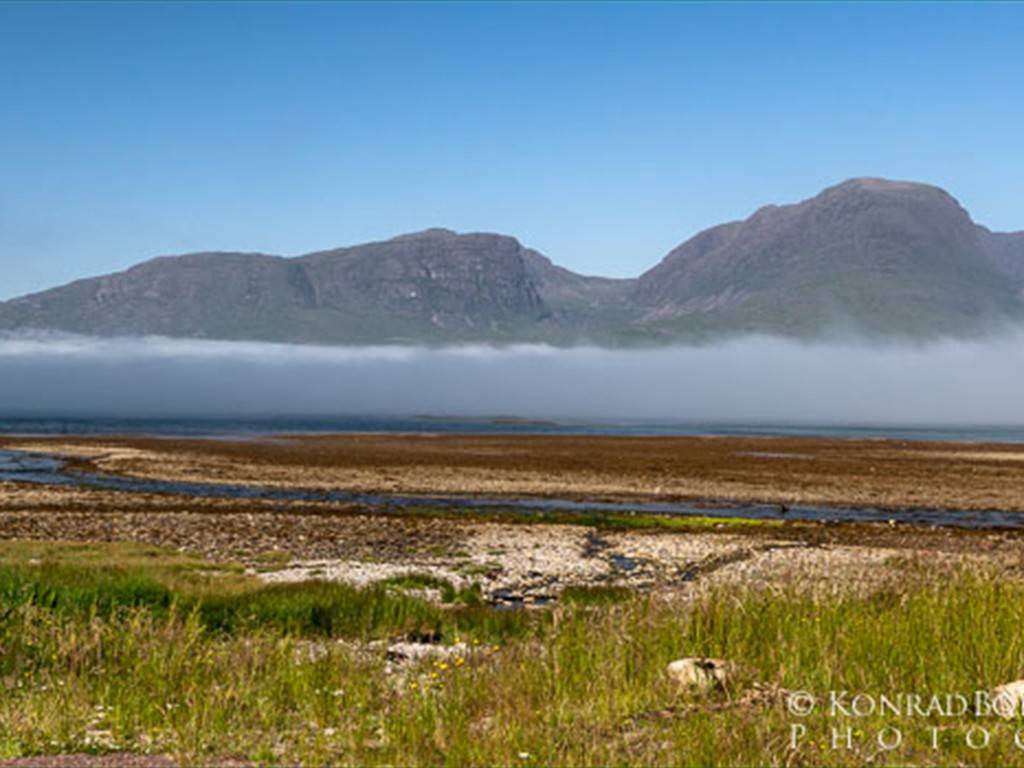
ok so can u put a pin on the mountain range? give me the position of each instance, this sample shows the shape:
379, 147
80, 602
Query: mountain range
872, 257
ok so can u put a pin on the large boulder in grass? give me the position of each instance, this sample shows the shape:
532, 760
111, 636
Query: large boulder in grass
701, 674
1008, 699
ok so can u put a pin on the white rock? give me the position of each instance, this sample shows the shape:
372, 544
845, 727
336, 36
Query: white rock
1008, 699
407, 651
700, 673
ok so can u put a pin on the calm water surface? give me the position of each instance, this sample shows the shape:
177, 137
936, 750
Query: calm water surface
86, 425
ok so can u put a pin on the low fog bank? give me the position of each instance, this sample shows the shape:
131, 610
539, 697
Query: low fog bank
753, 379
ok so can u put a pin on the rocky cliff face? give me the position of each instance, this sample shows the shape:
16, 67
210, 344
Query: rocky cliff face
869, 256
459, 284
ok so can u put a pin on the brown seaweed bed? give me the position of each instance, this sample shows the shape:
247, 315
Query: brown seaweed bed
324, 531
811, 471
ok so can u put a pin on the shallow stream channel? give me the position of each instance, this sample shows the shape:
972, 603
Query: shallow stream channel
48, 470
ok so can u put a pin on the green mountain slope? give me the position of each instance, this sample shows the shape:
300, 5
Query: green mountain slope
868, 256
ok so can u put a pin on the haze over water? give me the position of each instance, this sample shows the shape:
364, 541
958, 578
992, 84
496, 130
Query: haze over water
955, 390
48, 424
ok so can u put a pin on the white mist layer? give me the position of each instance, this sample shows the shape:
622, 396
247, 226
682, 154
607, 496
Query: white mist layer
754, 379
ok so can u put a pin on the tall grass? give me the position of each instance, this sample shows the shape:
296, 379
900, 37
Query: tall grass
317, 609
586, 687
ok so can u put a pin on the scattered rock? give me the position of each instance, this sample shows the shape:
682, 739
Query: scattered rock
700, 673
310, 652
409, 652
1008, 699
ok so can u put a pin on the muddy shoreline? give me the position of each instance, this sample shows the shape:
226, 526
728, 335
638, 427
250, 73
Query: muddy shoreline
513, 557
62, 471
855, 473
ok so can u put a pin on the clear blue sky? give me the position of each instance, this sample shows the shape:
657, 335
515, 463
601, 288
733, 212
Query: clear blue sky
601, 134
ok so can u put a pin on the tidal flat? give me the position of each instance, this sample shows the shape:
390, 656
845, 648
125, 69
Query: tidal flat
892, 474
183, 630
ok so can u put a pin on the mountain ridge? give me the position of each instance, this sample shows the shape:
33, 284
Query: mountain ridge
880, 257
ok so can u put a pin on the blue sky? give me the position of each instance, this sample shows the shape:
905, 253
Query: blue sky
601, 134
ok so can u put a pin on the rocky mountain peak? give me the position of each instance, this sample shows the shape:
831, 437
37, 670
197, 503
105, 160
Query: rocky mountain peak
882, 257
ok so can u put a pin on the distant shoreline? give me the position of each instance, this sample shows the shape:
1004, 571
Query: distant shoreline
250, 427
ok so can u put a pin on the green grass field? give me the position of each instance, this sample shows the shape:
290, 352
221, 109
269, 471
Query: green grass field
130, 648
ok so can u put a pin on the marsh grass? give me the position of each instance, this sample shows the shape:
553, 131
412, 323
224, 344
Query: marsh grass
596, 595
471, 595
585, 686
590, 519
308, 609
